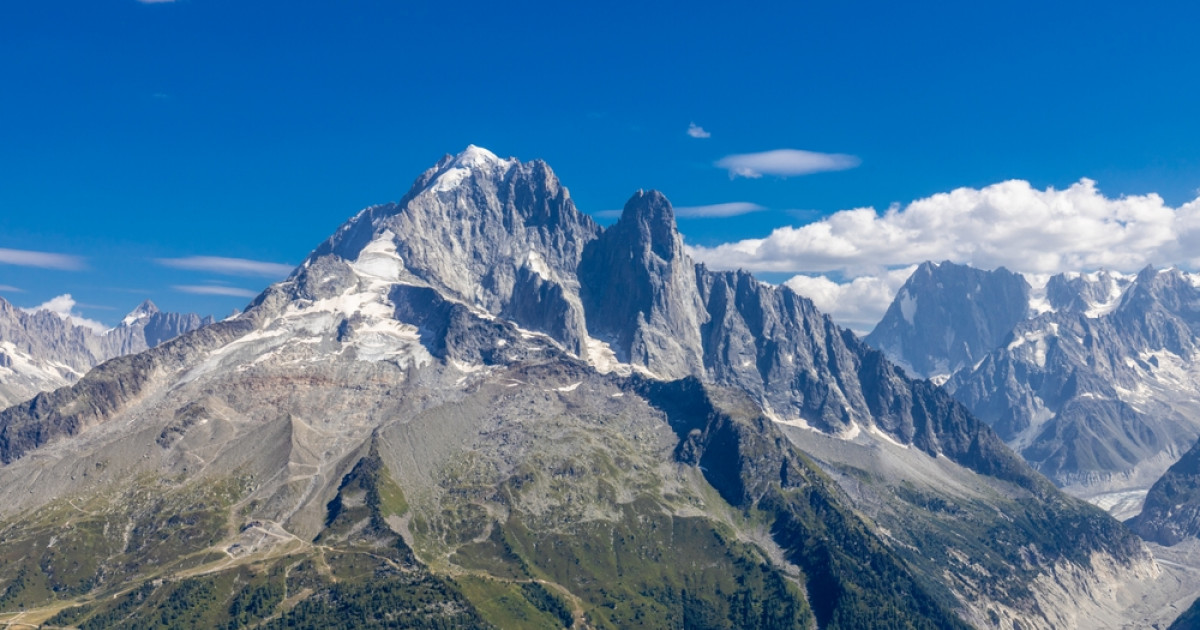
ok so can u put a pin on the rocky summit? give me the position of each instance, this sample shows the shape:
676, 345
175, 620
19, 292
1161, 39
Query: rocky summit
475, 407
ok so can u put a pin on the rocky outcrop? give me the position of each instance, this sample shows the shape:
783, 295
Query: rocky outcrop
500, 234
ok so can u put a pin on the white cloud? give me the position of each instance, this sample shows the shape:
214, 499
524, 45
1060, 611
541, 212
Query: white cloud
44, 260
1009, 224
718, 210
228, 266
785, 163
713, 211
858, 304
64, 307
696, 131
10, 289
210, 289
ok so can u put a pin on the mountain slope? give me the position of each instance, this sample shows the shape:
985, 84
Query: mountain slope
515, 434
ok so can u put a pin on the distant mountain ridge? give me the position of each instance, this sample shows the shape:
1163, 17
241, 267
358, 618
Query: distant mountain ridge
1092, 385
41, 350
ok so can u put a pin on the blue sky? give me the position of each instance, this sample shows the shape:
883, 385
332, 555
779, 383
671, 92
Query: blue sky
136, 132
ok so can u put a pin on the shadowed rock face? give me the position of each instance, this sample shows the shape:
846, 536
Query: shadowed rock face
1171, 512
41, 351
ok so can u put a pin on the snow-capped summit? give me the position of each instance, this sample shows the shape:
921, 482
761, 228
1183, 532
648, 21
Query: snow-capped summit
478, 156
453, 171
144, 311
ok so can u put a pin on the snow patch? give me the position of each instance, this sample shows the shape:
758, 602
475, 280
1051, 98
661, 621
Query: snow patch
602, 357
535, 263
1037, 339
1038, 302
796, 421
379, 259
472, 159
881, 434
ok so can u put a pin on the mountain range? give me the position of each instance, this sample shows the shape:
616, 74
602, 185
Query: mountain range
1089, 376
476, 407
41, 350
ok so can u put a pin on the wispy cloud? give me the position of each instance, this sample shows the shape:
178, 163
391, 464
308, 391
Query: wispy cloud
10, 289
44, 260
64, 307
718, 210
696, 131
211, 289
228, 266
785, 163
714, 211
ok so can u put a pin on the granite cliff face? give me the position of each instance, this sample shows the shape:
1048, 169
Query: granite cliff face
479, 382
41, 351
638, 288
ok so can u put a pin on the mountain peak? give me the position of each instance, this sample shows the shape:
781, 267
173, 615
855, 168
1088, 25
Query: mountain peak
476, 156
144, 310
948, 315
451, 171
649, 215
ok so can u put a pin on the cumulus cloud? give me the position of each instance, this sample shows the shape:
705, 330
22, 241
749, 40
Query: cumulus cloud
64, 307
696, 131
1008, 224
228, 266
212, 289
785, 163
858, 304
44, 260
